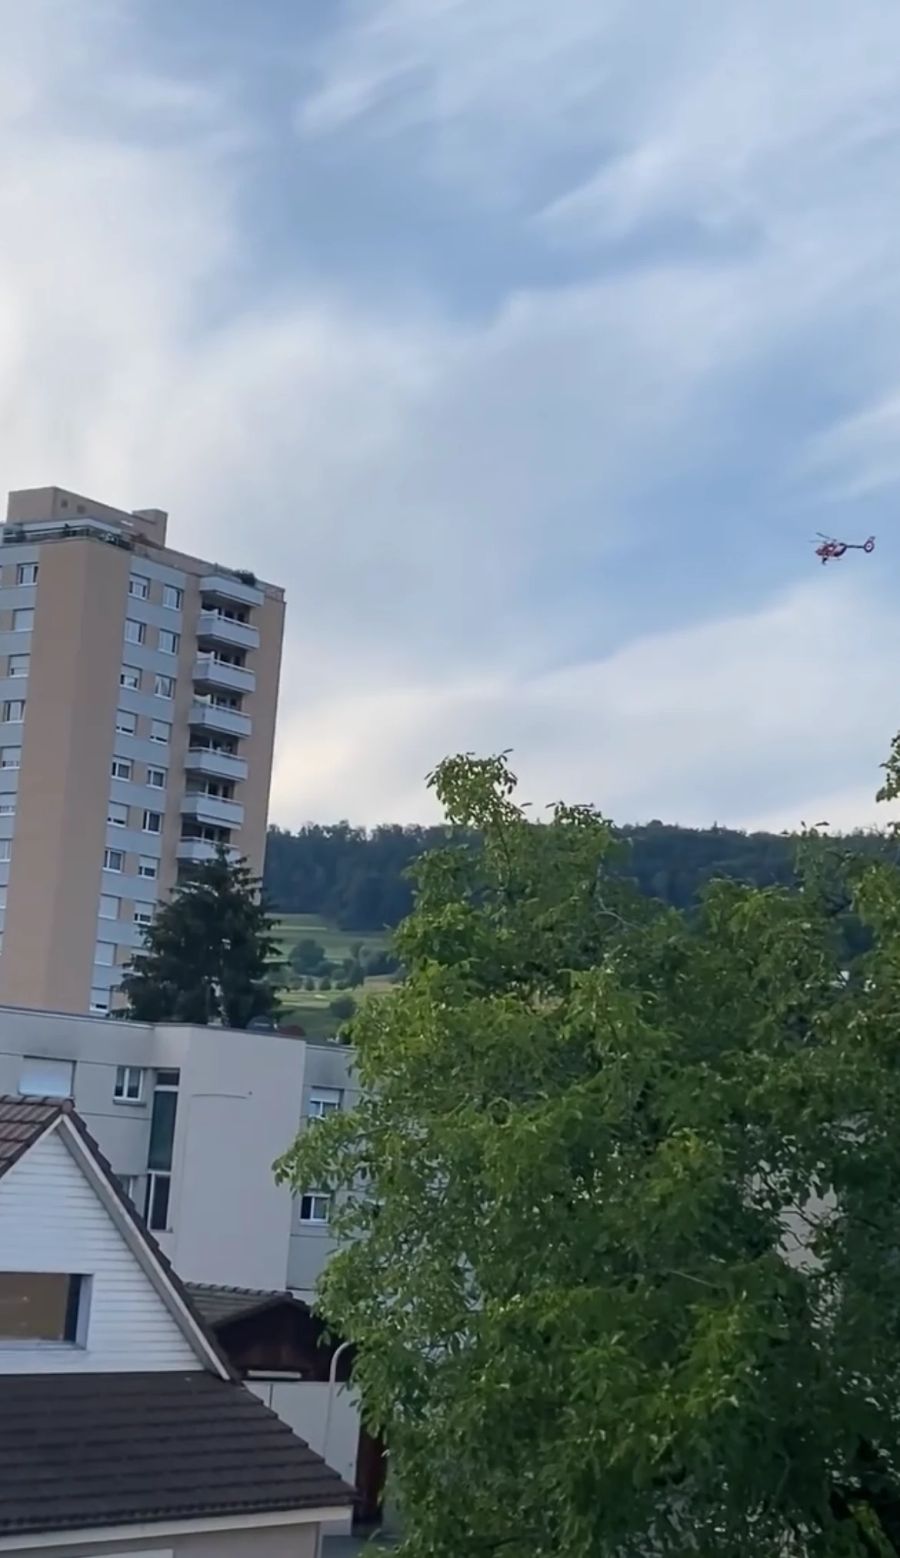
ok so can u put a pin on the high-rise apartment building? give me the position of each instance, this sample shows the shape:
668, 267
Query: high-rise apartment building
138, 690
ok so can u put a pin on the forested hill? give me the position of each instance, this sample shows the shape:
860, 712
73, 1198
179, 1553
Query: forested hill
354, 878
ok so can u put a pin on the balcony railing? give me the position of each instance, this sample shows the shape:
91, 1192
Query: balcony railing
212, 809
206, 715
221, 629
219, 765
209, 671
226, 586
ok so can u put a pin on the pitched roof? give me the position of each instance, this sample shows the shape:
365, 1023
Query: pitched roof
79, 1451
218, 1304
22, 1122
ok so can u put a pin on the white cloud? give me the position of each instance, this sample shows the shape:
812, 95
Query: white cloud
410, 477
761, 720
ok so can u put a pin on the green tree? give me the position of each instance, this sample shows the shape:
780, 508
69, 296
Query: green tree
343, 1006
308, 956
624, 1277
209, 954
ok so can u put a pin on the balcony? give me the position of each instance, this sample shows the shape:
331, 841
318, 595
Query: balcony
212, 810
219, 629
210, 672
224, 586
219, 765
229, 722
197, 852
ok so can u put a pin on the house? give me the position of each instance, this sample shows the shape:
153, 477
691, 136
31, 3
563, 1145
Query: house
284, 1354
124, 1429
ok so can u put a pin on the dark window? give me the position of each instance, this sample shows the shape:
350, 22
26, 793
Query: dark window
39, 1306
156, 1209
162, 1129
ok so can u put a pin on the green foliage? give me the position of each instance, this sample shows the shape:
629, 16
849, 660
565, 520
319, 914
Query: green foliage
308, 956
358, 879
623, 1276
209, 953
342, 1007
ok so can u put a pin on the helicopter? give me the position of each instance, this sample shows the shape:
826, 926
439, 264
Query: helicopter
827, 547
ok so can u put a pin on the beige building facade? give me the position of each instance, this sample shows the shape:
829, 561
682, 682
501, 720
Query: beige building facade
138, 694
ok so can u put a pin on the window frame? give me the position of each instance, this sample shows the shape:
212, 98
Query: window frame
312, 1196
141, 580
126, 730
130, 678
140, 634
9, 714
122, 762
22, 570
14, 674
113, 821
124, 1074
329, 1099
151, 782
147, 876
109, 898
145, 828
13, 767
173, 637
136, 920
178, 592
161, 681
107, 855
43, 1091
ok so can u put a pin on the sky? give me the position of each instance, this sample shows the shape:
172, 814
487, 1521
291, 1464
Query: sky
526, 345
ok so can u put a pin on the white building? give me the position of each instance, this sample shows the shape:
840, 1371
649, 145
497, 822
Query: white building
123, 1428
191, 1120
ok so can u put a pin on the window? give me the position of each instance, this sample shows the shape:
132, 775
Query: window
10, 757
168, 642
172, 597
44, 1078
109, 906
129, 1084
105, 954
138, 586
156, 778
147, 867
7, 806
164, 686
121, 768
5, 849
14, 711
135, 632
23, 620
314, 1207
160, 730
152, 822
156, 1202
100, 1002
129, 1185
126, 722
18, 665
130, 677
143, 914
117, 814
159, 1155
27, 573
113, 860
324, 1101
41, 1306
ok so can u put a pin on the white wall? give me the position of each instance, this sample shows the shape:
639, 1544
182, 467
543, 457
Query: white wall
303, 1405
292, 1541
238, 1110
52, 1220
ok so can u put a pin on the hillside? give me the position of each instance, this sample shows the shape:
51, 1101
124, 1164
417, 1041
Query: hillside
353, 880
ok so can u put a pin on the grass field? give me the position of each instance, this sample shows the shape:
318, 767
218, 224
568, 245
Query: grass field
311, 1008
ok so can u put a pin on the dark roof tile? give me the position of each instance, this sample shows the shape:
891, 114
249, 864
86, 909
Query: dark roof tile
84, 1450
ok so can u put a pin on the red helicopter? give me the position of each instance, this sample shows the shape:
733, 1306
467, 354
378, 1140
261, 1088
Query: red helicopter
829, 548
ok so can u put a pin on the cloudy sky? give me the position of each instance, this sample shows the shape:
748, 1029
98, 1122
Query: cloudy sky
526, 344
